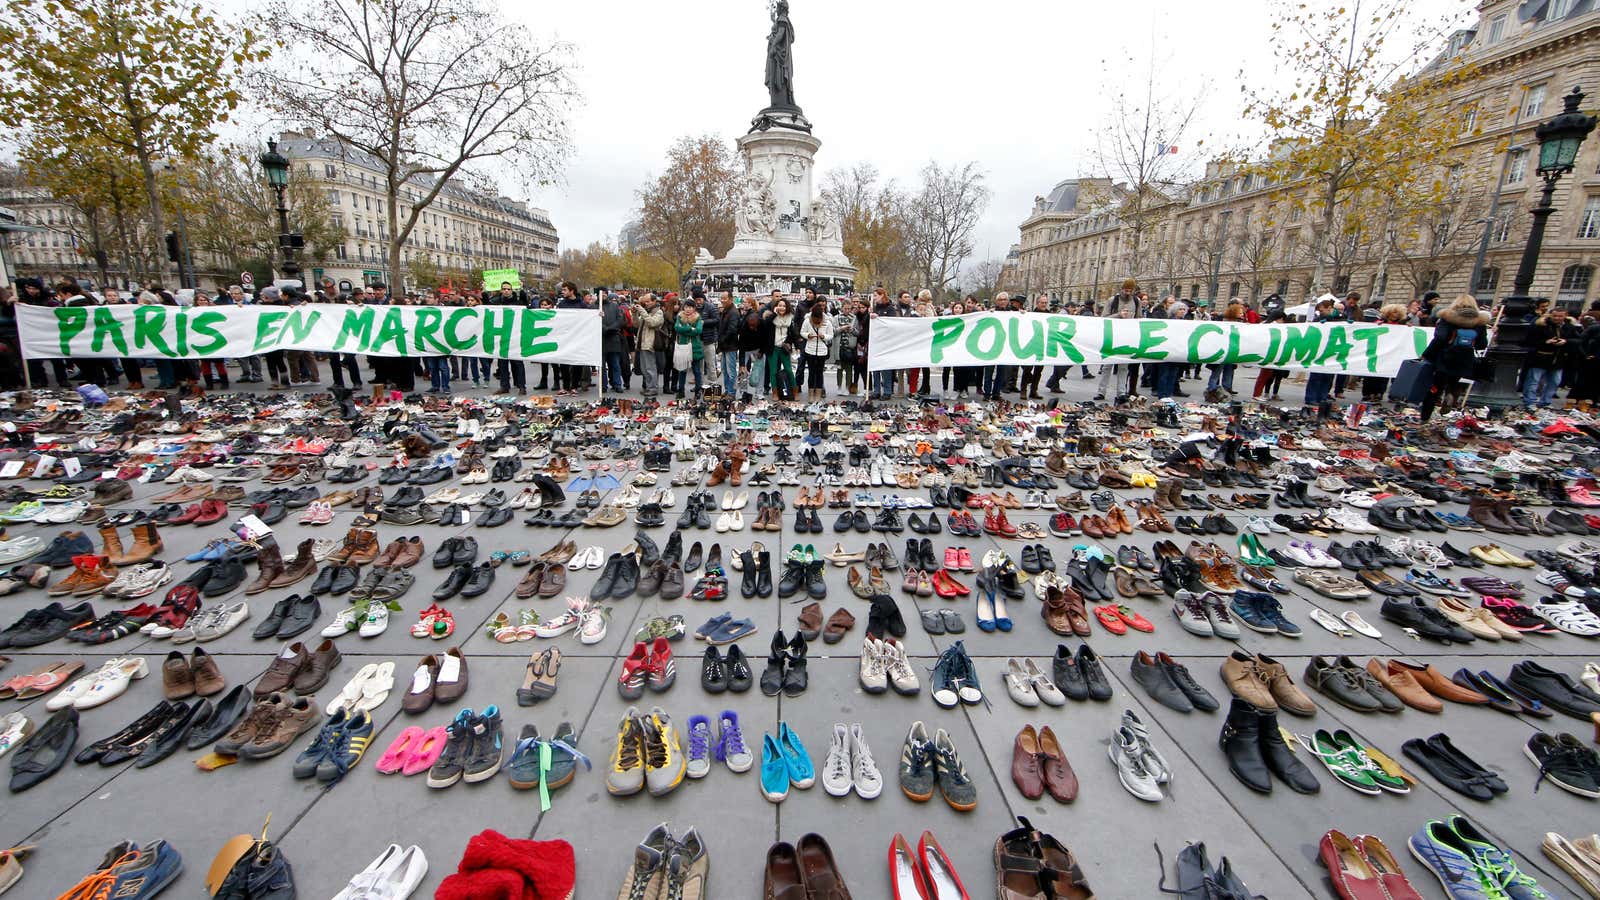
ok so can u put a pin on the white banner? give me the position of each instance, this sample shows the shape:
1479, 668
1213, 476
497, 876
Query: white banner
1030, 339
173, 332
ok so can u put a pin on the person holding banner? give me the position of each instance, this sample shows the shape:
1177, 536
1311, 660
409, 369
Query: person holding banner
1123, 305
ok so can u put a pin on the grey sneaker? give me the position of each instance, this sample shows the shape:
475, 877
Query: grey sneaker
954, 783
1222, 623
687, 869
649, 870
836, 774
730, 743
1190, 611
1154, 762
917, 773
484, 755
626, 775
699, 765
664, 763
1128, 757
224, 619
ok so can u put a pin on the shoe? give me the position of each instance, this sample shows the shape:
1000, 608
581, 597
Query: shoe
917, 773
627, 773
664, 761
1132, 768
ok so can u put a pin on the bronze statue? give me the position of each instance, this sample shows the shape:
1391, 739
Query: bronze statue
780, 59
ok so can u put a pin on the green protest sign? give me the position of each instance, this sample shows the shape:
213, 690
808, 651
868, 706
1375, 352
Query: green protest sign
494, 278
170, 332
1025, 339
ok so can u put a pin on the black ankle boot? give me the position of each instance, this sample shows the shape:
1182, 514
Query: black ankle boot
772, 675
1241, 744
795, 677
1279, 759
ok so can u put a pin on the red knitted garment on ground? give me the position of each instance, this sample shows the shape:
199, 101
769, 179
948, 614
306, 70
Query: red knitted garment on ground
495, 867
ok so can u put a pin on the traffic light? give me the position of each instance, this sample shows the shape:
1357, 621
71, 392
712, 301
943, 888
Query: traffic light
172, 246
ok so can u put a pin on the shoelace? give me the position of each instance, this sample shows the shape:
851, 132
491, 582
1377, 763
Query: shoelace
98, 885
1562, 758
699, 742
731, 743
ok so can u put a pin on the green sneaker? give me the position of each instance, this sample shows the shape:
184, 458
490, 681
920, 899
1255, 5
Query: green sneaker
1352, 771
1391, 783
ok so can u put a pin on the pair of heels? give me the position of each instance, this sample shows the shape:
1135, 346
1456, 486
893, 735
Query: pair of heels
992, 613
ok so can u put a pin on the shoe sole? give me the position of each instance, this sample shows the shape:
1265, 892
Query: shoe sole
485, 775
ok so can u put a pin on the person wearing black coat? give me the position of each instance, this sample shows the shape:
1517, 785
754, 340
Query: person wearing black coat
1551, 340
1462, 333
1586, 360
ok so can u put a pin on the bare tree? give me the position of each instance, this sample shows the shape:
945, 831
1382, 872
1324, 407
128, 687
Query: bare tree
1138, 147
430, 90
983, 276
691, 204
874, 222
1256, 250
941, 218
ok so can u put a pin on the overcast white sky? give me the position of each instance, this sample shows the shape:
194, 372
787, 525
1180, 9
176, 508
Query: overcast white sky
1017, 85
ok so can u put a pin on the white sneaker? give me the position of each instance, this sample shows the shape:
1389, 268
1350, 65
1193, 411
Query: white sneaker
592, 629
874, 673
868, 780
344, 622
1260, 525
836, 774
375, 620
898, 668
14, 727
1569, 616
1358, 499
1136, 778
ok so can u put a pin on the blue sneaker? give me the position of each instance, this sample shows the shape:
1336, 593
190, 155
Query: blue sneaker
731, 631
1498, 863
216, 549
795, 758
1269, 607
1455, 863
1246, 608
711, 625
774, 771
136, 877
699, 765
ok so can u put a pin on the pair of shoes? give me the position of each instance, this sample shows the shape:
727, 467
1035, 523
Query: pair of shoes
648, 755
338, 746
955, 679
395, 873
727, 746
1442, 759
664, 866
1256, 751
1347, 759
1032, 865
1038, 764
472, 752
648, 665
925, 764
925, 874
803, 869
786, 667
729, 672
884, 664
546, 764
1140, 766
784, 764
850, 766
1362, 867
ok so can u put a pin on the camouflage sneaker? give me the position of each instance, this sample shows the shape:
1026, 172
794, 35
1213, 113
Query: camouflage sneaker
670, 627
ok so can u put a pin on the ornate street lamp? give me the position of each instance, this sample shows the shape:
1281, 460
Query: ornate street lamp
1559, 140
276, 165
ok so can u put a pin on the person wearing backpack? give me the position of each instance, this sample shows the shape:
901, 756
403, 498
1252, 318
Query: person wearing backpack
1551, 341
1462, 332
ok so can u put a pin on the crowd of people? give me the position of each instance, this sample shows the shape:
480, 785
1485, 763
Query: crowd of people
785, 346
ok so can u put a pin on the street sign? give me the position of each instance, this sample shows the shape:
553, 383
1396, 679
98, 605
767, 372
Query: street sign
247, 278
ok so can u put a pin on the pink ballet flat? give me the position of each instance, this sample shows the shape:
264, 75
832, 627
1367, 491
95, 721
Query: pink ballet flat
395, 757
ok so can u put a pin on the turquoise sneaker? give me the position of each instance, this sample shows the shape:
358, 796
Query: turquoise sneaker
1513, 883
774, 772
801, 773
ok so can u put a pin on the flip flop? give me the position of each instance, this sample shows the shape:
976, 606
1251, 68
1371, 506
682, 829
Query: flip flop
932, 622
52, 677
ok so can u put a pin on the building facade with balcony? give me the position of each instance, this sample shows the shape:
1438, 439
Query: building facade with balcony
1232, 234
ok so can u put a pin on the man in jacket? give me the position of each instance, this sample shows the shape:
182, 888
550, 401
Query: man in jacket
711, 323
728, 322
650, 322
1551, 341
577, 377
1123, 305
611, 346
509, 371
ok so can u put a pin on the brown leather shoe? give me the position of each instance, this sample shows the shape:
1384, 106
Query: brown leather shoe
1288, 694
554, 580
1244, 676
366, 549
1025, 761
410, 552
269, 563
352, 539
818, 871
390, 553
177, 679
1434, 682
1059, 779
207, 677
228, 493
1118, 519
279, 729
303, 566
782, 880
280, 676
146, 544
318, 667
1401, 683
1094, 526
1064, 613
840, 622
451, 682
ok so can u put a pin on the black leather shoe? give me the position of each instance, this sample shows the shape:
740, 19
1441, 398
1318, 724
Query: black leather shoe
1149, 674
626, 584
1094, 674
764, 574
608, 578
324, 581
772, 675
795, 677
445, 552
269, 626
1241, 744
303, 612
44, 752
1179, 673
453, 583
1067, 676
479, 581
344, 579
224, 715
170, 736
466, 551
226, 575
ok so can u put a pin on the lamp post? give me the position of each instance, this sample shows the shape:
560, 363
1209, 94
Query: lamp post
1559, 140
276, 165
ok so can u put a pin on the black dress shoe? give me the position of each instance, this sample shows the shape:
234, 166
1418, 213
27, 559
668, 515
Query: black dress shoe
453, 583
496, 517
225, 714
479, 581
444, 554
269, 626
170, 736
344, 579
626, 583
224, 576
1067, 676
1179, 673
466, 551
44, 752
303, 612
1156, 681
324, 580
1094, 673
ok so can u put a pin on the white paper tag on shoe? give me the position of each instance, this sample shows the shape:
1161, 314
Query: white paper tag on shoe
254, 528
10, 469
72, 466
108, 474
46, 463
